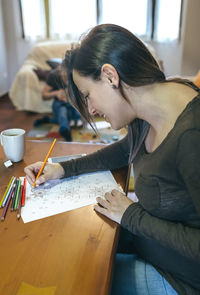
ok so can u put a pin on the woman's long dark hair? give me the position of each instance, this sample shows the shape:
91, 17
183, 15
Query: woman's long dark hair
132, 60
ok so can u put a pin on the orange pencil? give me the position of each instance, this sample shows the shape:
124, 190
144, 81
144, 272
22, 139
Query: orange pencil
45, 160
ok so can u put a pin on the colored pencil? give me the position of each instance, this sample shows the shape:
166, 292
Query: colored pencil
20, 195
45, 160
24, 192
6, 191
14, 196
7, 205
20, 203
17, 195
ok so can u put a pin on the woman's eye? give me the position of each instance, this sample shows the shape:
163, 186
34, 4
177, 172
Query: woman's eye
86, 98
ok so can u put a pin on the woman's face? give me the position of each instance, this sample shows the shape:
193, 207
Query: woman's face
104, 101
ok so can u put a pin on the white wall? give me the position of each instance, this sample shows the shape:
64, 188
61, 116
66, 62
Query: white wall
191, 36
183, 58
170, 54
3, 57
15, 48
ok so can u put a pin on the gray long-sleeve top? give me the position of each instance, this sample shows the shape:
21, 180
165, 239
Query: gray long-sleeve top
166, 220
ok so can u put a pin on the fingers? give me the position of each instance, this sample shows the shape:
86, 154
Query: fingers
31, 171
103, 203
109, 198
115, 192
51, 171
48, 173
40, 180
101, 210
113, 206
29, 179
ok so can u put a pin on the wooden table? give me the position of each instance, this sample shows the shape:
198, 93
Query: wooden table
72, 251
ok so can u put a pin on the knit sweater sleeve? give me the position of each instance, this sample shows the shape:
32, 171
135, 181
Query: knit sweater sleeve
188, 163
111, 157
175, 235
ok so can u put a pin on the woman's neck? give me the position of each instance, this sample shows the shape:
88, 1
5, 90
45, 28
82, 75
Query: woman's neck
161, 103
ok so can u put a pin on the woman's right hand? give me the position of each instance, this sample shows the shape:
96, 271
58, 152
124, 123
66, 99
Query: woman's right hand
50, 171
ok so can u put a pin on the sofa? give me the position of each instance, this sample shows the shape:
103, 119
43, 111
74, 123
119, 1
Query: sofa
25, 91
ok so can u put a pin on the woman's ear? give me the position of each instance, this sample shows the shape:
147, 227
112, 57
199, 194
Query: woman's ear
110, 75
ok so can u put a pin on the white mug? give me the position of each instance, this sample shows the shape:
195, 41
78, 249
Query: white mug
13, 142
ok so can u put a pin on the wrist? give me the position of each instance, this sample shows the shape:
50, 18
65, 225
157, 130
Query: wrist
61, 171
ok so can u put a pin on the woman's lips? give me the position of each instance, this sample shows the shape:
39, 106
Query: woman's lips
105, 118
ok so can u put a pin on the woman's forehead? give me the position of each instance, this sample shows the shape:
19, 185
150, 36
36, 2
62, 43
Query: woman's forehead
77, 77
80, 80
75, 74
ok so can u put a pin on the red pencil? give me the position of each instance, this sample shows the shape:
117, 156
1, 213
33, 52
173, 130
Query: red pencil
24, 192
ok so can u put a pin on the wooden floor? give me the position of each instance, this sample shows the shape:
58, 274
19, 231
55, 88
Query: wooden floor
11, 118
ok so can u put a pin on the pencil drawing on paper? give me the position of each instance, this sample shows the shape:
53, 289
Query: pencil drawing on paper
60, 195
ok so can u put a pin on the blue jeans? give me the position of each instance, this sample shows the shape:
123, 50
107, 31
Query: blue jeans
133, 276
63, 113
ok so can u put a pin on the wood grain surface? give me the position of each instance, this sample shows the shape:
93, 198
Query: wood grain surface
72, 251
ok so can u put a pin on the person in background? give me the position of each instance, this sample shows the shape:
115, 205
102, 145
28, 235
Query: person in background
64, 113
112, 74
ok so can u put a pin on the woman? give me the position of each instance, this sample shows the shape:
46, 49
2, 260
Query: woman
112, 74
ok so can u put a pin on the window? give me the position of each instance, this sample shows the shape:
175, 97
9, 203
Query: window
131, 14
71, 18
167, 21
33, 16
158, 20
151, 19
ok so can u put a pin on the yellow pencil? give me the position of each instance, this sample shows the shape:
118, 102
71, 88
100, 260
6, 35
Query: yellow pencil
45, 160
6, 191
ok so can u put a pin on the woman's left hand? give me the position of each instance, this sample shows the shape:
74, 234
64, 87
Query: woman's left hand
114, 205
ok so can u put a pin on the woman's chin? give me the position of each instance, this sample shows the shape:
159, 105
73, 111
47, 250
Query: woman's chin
115, 127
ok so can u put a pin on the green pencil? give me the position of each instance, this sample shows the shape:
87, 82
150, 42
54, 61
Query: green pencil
17, 195
20, 195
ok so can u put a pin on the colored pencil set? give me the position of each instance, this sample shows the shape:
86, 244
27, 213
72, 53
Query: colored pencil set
14, 195
16, 191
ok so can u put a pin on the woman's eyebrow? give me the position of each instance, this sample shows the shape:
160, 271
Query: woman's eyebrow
82, 92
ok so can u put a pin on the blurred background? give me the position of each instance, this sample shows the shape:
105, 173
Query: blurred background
170, 26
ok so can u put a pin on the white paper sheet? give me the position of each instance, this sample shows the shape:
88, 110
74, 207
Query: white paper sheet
57, 196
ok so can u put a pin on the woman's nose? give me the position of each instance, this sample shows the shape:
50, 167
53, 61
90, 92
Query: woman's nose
91, 109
